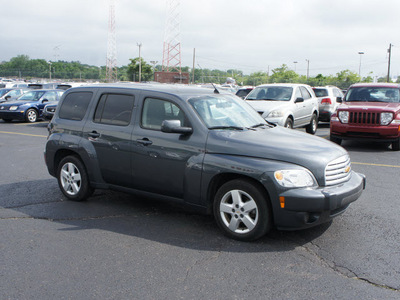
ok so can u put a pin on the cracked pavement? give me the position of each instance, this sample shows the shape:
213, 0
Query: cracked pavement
118, 246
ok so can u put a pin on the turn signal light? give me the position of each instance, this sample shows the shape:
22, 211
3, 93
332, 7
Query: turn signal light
282, 201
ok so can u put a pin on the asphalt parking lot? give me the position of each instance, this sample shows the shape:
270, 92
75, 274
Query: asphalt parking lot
118, 246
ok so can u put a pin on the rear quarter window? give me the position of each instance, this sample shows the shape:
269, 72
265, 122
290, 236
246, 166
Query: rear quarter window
75, 105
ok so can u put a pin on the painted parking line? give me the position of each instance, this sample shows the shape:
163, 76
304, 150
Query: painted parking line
27, 134
375, 165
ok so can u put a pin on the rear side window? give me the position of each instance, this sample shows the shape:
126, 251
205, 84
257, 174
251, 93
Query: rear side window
75, 105
114, 109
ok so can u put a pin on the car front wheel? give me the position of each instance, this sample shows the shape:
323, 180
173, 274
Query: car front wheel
242, 211
31, 115
73, 179
396, 145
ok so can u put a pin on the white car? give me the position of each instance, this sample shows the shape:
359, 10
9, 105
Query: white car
286, 104
328, 97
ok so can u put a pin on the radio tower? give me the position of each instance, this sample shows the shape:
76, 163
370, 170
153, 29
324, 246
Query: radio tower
111, 65
172, 45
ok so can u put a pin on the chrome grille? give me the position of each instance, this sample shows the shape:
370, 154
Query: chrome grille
338, 170
364, 118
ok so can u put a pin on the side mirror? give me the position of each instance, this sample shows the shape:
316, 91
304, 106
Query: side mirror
7, 97
45, 100
339, 100
299, 99
174, 126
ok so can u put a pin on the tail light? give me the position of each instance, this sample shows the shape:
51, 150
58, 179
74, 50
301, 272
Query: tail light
326, 101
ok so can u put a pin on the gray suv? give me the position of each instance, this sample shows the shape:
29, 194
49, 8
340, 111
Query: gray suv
202, 148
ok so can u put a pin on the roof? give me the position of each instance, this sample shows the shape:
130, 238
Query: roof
284, 84
183, 91
376, 84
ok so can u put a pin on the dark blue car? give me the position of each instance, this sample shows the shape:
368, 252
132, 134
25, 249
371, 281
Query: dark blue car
29, 107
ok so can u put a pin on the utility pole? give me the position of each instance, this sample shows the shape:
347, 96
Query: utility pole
390, 54
140, 62
194, 61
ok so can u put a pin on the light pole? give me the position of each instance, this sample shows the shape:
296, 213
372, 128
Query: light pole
140, 62
308, 68
154, 62
295, 62
359, 68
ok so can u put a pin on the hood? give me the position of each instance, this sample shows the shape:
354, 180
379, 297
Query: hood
268, 105
279, 144
17, 103
375, 106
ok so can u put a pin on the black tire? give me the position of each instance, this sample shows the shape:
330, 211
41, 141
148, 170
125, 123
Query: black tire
396, 145
335, 140
73, 179
242, 210
31, 115
289, 123
312, 127
7, 120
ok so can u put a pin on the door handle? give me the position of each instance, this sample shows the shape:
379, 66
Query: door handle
94, 134
144, 141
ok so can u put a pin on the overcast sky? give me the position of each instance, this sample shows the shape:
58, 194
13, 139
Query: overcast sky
251, 35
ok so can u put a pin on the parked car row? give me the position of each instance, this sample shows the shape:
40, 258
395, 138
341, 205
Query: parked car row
29, 107
202, 148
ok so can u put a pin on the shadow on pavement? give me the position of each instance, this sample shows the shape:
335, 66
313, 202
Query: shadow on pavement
139, 217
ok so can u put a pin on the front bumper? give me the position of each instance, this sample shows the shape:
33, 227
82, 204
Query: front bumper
379, 133
12, 115
308, 207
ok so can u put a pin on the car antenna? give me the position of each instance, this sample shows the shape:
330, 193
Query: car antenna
215, 89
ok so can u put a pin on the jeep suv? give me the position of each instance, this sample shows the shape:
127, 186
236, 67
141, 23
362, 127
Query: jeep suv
370, 112
202, 148
286, 104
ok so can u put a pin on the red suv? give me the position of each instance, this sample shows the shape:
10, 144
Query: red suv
370, 111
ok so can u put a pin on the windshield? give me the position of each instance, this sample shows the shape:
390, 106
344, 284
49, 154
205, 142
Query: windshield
226, 112
277, 93
32, 96
373, 94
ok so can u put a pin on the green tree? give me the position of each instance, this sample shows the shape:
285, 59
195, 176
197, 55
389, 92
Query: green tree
284, 75
133, 70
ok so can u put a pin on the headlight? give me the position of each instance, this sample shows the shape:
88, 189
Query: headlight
344, 116
386, 118
275, 114
295, 178
14, 107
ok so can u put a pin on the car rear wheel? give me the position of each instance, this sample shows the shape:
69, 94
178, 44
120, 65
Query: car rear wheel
312, 127
242, 211
73, 179
31, 115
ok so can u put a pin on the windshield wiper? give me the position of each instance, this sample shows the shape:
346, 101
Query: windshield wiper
262, 124
226, 127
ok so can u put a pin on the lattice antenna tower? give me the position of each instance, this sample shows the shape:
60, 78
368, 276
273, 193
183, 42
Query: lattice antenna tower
111, 61
172, 45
